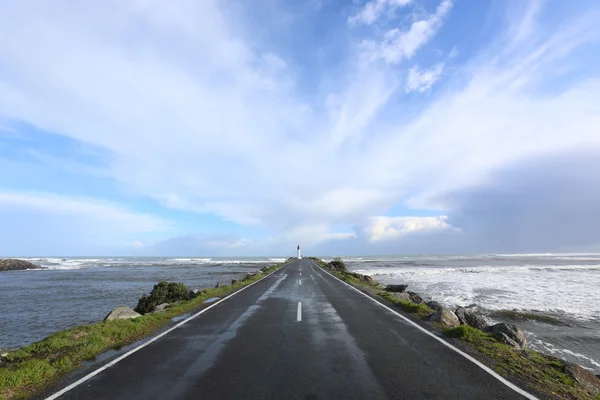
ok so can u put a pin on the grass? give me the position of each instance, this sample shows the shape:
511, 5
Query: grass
539, 372
29, 369
419, 309
543, 373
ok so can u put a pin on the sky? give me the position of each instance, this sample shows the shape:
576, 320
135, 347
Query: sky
230, 128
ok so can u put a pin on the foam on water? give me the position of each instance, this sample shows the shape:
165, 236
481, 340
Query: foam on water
68, 263
558, 289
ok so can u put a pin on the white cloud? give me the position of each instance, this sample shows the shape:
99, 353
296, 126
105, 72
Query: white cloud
97, 215
398, 45
373, 10
422, 80
389, 228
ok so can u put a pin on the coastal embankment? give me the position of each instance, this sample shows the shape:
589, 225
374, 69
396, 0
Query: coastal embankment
502, 346
27, 370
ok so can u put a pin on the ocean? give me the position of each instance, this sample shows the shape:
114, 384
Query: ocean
561, 291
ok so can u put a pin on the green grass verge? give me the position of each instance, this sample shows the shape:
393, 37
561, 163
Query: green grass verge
543, 373
419, 309
31, 368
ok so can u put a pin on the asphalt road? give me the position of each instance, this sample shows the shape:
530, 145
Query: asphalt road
297, 334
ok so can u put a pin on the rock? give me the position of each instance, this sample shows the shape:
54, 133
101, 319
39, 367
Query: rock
396, 288
469, 316
434, 305
506, 340
368, 279
218, 285
446, 318
16, 265
511, 330
234, 281
415, 298
161, 307
194, 293
589, 381
401, 296
121, 313
247, 277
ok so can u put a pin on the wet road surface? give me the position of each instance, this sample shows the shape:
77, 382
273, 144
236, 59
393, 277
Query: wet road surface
297, 334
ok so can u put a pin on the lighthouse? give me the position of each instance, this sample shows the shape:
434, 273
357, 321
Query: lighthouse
299, 252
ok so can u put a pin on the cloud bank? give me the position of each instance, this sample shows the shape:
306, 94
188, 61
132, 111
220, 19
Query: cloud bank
399, 144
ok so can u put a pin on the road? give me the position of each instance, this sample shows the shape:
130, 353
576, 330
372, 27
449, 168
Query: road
296, 334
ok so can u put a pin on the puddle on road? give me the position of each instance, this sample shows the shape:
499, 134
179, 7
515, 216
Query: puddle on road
180, 317
211, 300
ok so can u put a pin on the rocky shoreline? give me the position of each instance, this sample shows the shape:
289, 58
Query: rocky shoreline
475, 330
11, 264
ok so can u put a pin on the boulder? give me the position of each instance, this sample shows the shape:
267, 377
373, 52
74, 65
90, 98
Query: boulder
194, 293
511, 330
414, 297
218, 285
396, 288
401, 296
434, 305
445, 317
121, 313
589, 381
247, 277
234, 281
161, 307
368, 279
502, 337
469, 316
17, 265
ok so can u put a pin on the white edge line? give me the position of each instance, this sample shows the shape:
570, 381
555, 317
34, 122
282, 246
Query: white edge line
130, 352
462, 353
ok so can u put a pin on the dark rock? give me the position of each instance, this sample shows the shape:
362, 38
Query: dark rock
234, 281
446, 318
470, 316
218, 285
121, 313
434, 305
396, 288
247, 277
415, 298
16, 265
194, 293
511, 330
502, 337
367, 279
589, 381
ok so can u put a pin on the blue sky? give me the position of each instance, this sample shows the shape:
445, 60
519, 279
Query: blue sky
350, 127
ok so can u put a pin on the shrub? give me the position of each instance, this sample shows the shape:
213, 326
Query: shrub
163, 292
338, 265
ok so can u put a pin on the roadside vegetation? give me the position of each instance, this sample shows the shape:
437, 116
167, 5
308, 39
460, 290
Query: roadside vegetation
30, 369
542, 374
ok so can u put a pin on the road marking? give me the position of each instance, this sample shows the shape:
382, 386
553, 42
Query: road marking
299, 315
299, 281
442, 341
130, 352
